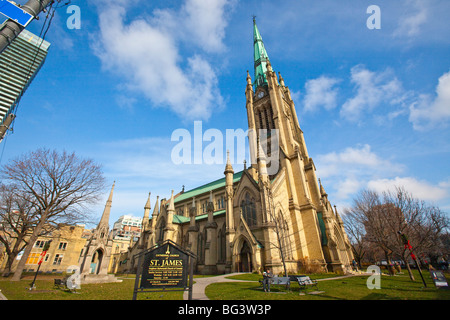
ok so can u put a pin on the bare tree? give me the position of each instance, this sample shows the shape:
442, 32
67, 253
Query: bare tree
356, 233
59, 187
17, 219
387, 216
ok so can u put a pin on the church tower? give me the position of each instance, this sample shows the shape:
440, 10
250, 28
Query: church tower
94, 259
274, 214
278, 149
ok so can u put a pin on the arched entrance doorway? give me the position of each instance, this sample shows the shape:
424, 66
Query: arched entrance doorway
245, 258
96, 262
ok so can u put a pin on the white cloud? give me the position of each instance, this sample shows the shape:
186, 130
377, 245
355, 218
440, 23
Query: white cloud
418, 188
372, 89
348, 187
410, 25
320, 92
346, 172
427, 111
205, 22
146, 54
354, 161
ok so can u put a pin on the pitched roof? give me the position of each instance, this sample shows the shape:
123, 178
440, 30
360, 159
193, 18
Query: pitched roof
206, 188
177, 219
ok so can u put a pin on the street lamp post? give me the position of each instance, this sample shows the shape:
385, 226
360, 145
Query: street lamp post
41, 259
408, 246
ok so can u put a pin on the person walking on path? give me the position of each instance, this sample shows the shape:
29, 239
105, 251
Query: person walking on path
267, 275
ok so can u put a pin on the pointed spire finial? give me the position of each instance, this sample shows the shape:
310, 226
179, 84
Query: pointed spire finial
281, 80
322, 189
261, 57
249, 79
148, 205
104, 221
338, 217
171, 203
228, 167
156, 210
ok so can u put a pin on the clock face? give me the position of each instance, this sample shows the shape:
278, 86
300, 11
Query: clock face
260, 94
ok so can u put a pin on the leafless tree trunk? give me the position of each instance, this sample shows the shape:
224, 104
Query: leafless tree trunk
59, 186
17, 219
355, 232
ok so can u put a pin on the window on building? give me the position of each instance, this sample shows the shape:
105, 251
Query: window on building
201, 245
58, 259
249, 210
62, 246
221, 245
204, 206
161, 228
283, 229
220, 203
40, 244
33, 258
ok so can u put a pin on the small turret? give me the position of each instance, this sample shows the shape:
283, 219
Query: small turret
322, 190
281, 80
229, 172
147, 208
155, 213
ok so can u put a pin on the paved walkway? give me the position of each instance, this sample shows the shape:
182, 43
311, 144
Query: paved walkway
198, 290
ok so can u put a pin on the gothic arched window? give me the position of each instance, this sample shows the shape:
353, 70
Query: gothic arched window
221, 246
162, 226
201, 246
283, 229
249, 210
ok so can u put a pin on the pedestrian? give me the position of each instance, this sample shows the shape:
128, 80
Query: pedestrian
266, 280
355, 265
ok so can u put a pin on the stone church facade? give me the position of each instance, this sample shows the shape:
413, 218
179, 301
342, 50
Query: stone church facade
95, 256
274, 216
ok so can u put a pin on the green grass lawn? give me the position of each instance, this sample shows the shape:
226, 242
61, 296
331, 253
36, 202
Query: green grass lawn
399, 287
108, 291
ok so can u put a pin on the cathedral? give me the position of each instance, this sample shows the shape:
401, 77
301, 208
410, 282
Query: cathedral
275, 216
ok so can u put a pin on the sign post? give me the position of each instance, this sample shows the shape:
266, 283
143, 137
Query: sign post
439, 279
408, 245
41, 259
164, 267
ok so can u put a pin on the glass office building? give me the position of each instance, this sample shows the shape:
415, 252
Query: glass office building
19, 64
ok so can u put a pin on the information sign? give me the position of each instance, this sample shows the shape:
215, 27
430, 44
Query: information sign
13, 12
166, 266
439, 279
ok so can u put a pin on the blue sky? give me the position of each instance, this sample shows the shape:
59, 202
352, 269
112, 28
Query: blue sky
374, 104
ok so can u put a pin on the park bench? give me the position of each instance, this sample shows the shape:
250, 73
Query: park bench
279, 281
60, 283
304, 282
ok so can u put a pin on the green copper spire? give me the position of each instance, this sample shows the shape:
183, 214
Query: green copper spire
261, 57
